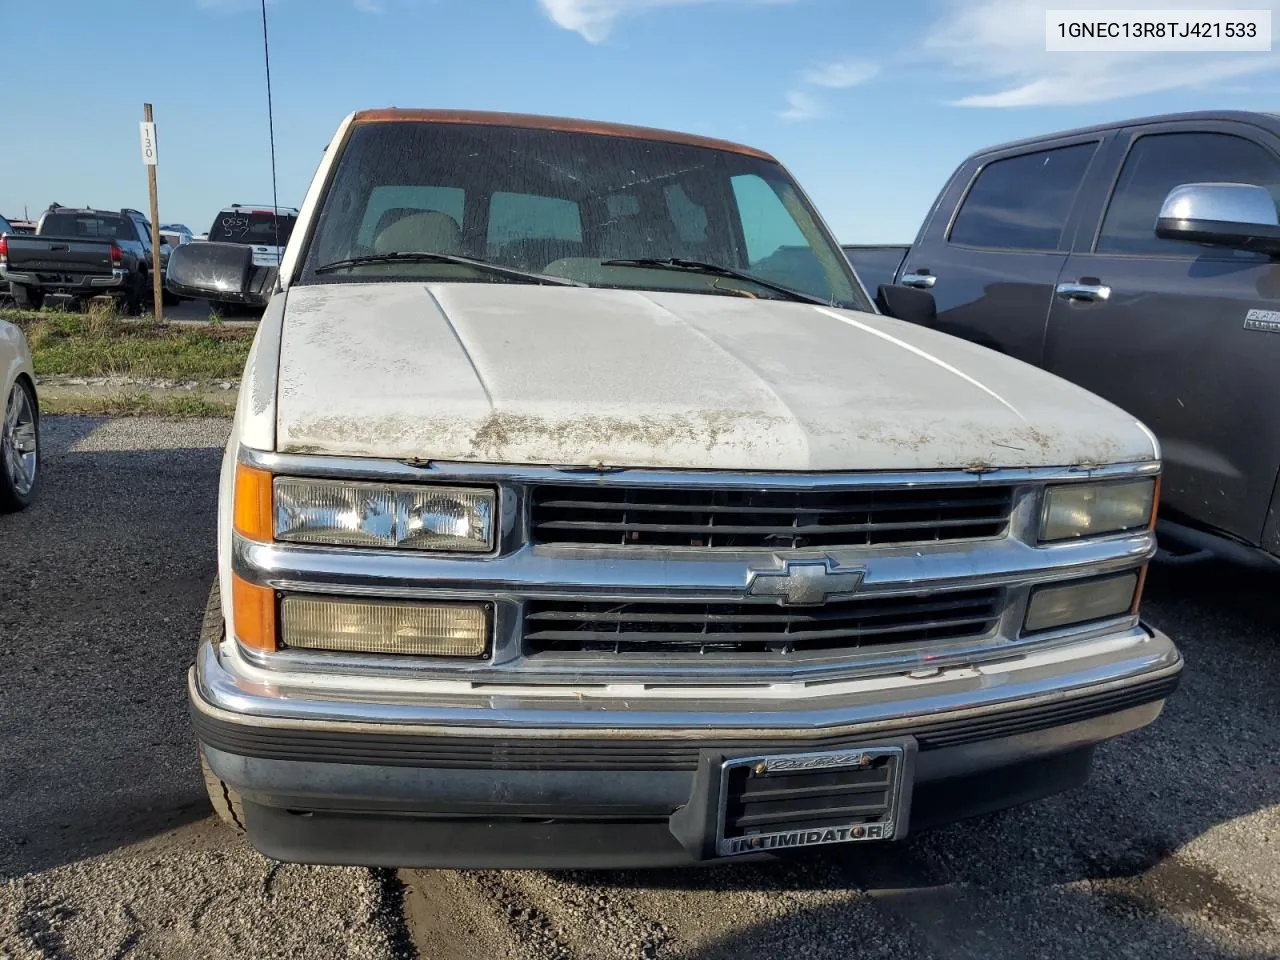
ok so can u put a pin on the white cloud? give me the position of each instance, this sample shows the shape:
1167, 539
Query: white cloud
839, 76
800, 106
594, 19
994, 49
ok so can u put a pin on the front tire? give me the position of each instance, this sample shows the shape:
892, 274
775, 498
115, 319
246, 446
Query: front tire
19, 448
26, 298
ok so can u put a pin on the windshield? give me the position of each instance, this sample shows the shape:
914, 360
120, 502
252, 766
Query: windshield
564, 204
257, 229
88, 226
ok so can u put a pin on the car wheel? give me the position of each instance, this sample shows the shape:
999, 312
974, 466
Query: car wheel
19, 449
25, 298
225, 800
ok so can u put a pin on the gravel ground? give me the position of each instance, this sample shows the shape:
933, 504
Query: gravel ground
108, 847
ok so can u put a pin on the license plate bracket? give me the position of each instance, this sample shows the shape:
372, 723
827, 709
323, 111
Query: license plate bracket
775, 802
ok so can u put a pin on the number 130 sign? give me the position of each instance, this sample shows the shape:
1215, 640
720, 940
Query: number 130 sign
148, 144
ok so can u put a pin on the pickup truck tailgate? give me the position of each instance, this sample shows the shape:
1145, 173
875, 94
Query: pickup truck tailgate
59, 255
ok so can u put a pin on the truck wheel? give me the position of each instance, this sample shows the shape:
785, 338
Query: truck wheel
225, 800
132, 302
26, 298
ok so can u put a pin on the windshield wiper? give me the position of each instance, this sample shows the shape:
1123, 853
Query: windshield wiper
702, 266
427, 257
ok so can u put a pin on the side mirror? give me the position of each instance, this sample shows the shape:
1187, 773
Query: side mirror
1240, 216
217, 271
907, 303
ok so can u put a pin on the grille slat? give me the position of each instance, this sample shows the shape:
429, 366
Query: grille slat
769, 613
717, 518
755, 627
763, 530
845, 508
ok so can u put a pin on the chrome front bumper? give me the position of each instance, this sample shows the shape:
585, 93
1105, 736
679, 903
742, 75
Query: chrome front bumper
501, 779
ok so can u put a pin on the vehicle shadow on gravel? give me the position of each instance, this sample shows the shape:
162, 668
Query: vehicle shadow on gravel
103, 583
1109, 859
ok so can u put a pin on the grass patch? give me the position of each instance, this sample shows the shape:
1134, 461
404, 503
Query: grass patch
101, 344
139, 405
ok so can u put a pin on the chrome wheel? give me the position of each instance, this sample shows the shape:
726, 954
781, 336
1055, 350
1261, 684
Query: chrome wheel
19, 443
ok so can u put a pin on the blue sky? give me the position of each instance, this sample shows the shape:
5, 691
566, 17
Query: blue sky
870, 104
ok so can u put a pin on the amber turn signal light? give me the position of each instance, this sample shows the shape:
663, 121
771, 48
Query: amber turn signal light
253, 609
253, 503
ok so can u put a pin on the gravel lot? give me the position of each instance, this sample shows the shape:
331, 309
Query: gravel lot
108, 847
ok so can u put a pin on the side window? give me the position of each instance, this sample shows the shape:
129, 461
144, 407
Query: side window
1158, 163
391, 203
523, 216
1022, 203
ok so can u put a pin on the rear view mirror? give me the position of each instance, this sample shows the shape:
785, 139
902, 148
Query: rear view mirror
1240, 216
907, 303
217, 271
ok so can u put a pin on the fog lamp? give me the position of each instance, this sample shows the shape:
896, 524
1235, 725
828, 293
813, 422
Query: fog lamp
407, 629
1062, 605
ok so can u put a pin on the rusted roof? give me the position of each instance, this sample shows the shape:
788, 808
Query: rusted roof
553, 123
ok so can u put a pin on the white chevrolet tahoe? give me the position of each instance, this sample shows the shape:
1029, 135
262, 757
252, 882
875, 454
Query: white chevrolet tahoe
580, 509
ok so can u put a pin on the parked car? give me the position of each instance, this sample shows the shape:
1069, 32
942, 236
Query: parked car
1139, 260
78, 254
264, 228
176, 234
875, 264
5, 226
554, 533
20, 430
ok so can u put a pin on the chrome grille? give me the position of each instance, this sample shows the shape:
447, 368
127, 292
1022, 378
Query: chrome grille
672, 626
716, 518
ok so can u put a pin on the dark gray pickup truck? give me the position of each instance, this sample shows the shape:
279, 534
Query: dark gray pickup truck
78, 254
1140, 260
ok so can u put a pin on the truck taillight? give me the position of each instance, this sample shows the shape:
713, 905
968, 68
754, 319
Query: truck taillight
117, 256
4, 249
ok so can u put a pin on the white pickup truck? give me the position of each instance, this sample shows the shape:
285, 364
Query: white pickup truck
581, 510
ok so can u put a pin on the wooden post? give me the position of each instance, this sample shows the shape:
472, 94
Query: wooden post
150, 159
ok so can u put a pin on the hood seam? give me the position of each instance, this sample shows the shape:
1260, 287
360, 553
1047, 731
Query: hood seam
462, 346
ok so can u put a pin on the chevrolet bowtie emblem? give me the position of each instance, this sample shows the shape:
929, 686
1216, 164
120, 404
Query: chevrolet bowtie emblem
805, 583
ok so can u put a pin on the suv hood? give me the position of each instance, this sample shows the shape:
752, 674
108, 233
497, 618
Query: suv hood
514, 373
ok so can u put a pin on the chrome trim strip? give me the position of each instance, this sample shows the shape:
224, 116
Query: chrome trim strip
676, 669
308, 465
225, 686
585, 574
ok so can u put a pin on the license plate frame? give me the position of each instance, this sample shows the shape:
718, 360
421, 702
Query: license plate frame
891, 825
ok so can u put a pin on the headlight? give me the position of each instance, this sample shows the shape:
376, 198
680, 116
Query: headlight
384, 515
1074, 510
359, 626
1062, 605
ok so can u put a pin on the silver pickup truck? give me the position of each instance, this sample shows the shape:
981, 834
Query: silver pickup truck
580, 510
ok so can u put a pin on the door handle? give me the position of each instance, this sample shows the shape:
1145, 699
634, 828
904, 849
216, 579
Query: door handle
1084, 291
921, 281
